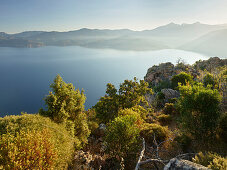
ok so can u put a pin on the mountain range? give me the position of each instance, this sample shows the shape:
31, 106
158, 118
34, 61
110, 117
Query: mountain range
197, 37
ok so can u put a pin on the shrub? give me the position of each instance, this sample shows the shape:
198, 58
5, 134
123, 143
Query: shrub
122, 137
28, 150
223, 127
209, 79
139, 111
149, 130
131, 93
66, 105
211, 160
169, 109
14, 128
159, 100
199, 106
184, 141
164, 119
182, 78
162, 85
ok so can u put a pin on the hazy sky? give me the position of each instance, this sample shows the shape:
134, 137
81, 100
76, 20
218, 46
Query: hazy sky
64, 15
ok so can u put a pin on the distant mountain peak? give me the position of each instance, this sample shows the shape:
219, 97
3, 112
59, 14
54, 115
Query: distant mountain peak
172, 24
197, 23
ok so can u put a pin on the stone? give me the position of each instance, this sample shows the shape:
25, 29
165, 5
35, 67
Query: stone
82, 160
170, 93
101, 129
179, 164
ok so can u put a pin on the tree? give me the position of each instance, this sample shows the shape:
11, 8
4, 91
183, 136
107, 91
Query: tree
130, 94
122, 137
182, 78
66, 105
199, 108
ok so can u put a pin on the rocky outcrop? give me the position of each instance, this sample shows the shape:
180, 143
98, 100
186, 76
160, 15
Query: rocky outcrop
210, 64
159, 73
82, 160
178, 164
165, 71
87, 161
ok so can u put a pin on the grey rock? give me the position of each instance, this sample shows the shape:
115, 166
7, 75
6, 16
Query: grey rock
178, 164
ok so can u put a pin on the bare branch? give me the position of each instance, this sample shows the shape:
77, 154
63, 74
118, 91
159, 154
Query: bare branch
141, 156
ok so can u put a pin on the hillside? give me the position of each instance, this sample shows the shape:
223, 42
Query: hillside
213, 43
172, 35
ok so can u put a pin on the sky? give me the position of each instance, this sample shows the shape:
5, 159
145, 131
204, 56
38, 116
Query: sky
64, 15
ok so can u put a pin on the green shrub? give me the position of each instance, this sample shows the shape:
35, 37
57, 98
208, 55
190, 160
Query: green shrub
184, 141
182, 78
92, 120
131, 93
162, 85
164, 119
211, 160
14, 127
159, 100
209, 79
66, 105
200, 110
139, 111
169, 109
149, 130
223, 127
122, 136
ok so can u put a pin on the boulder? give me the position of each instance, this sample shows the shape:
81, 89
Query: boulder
179, 164
170, 93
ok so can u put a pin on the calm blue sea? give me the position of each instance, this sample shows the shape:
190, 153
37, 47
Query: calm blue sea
26, 73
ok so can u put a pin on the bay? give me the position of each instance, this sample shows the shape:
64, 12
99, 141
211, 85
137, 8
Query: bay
26, 73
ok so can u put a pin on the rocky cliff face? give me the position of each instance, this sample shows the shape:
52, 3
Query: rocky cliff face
165, 71
210, 64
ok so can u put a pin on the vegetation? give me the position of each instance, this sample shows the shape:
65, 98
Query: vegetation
34, 142
151, 130
130, 94
66, 105
209, 80
182, 78
122, 137
223, 127
211, 160
28, 150
199, 106
120, 125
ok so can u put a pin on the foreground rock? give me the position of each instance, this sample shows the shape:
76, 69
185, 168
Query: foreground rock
178, 164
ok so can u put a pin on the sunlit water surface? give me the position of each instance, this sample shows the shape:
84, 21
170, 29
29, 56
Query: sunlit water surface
26, 73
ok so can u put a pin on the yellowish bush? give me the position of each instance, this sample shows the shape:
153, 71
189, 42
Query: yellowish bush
211, 160
55, 135
149, 130
28, 150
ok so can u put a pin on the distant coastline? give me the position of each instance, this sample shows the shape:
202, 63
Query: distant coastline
197, 37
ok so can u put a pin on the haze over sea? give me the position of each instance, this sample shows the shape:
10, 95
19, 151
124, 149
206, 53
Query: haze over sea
26, 73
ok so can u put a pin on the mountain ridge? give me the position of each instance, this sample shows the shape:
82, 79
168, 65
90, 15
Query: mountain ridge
167, 36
